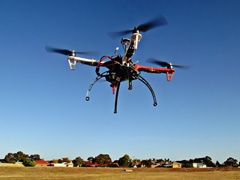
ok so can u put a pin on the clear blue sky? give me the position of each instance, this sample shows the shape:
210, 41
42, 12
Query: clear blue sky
42, 102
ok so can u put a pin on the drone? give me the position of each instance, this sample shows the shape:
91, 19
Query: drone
122, 68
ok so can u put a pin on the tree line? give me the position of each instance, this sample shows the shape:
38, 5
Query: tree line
104, 160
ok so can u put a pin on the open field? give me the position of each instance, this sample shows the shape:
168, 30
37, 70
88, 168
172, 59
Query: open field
117, 173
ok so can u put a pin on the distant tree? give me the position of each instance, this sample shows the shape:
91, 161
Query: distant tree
28, 162
34, 157
146, 163
198, 160
125, 161
19, 156
186, 163
103, 159
159, 160
9, 158
153, 159
136, 162
218, 164
166, 160
231, 162
91, 159
14, 157
206, 160
78, 162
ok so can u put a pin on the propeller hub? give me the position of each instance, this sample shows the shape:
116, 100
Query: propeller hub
73, 53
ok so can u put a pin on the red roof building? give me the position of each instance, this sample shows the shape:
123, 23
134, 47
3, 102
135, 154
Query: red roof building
90, 164
42, 163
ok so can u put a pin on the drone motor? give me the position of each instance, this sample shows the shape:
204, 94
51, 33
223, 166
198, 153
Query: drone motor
72, 64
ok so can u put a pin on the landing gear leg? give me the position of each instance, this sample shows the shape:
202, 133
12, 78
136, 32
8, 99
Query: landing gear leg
91, 85
116, 98
150, 88
130, 84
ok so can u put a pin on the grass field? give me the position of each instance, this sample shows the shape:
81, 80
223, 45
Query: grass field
117, 173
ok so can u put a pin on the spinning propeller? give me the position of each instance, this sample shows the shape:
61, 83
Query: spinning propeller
159, 21
68, 52
166, 64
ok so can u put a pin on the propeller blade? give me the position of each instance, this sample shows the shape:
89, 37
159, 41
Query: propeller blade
119, 33
158, 62
68, 52
159, 21
87, 52
166, 64
57, 50
180, 66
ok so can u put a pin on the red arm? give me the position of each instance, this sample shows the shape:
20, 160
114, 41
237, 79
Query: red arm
168, 71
